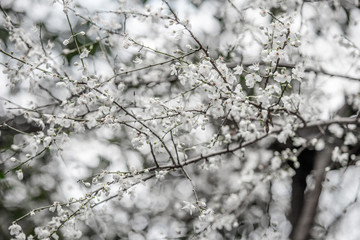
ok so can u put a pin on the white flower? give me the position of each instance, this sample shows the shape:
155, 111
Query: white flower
296, 43
138, 141
72, 233
160, 175
47, 140
91, 122
42, 233
350, 139
202, 204
66, 42
84, 53
205, 67
238, 70
277, 54
251, 132
271, 234
20, 174
282, 78
217, 111
254, 67
285, 133
320, 145
226, 221
251, 79
336, 130
21, 236
52, 208
15, 229
189, 207
174, 69
79, 127
337, 156
276, 162
298, 72
207, 215
121, 86
230, 78
187, 122
16, 147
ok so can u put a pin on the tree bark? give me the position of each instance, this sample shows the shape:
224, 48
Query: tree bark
301, 230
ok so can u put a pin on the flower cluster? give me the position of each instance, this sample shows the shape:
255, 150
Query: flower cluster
143, 119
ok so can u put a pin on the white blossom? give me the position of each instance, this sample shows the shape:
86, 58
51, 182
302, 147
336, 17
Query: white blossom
282, 78
66, 42
251, 79
285, 133
84, 53
350, 139
20, 174
277, 54
254, 67
298, 73
238, 70
107, 139
160, 175
21, 236
336, 130
276, 162
338, 156
15, 229
188, 206
42, 233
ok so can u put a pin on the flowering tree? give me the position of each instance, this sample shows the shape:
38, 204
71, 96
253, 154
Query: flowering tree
178, 119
